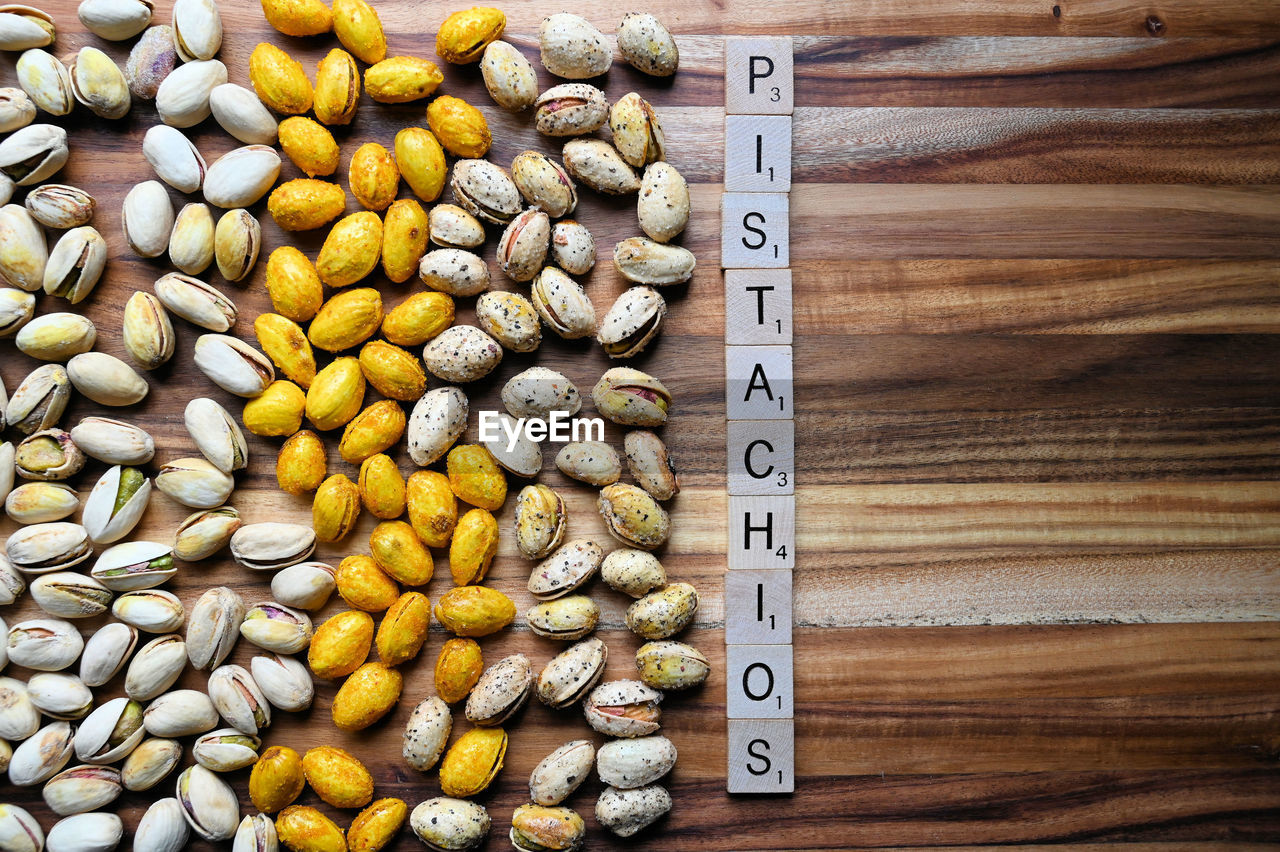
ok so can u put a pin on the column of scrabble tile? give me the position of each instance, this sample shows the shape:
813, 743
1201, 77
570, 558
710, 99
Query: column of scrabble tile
759, 404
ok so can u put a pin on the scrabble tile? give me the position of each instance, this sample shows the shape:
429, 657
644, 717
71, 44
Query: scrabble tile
757, 306
759, 76
762, 756
762, 533
757, 153
755, 230
759, 681
757, 607
758, 383
762, 457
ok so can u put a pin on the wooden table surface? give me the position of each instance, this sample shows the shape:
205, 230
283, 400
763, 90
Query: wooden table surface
1036, 251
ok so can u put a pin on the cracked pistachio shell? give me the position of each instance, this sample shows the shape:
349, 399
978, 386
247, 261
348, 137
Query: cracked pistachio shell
521, 455
301, 464
214, 627
306, 585
42, 755
110, 732
454, 271
75, 264
337, 91
149, 763
572, 673
630, 763
632, 322
34, 153
633, 572
40, 502
350, 252
624, 812
208, 803
663, 612
599, 165
566, 618
452, 227
633, 516
106, 652
197, 29
544, 183
540, 521
182, 100
563, 304
295, 289
204, 533
99, 84
593, 462
535, 827
155, 667
238, 699
114, 507
236, 241
651, 465
560, 773
59, 696
421, 162
485, 191
404, 238
115, 20
572, 47
670, 665
464, 35
148, 333
174, 157
337, 777
663, 204
341, 644
304, 827
382, 487
239, 111
46, 455
284, 681
162, 828
309, 145
474, 610
233, 365
623, 708
366, 696
357, 26
458, 668
403, 629
57, 336
57, 205
23, 250
522, 250
538, 391
298, 17
191, 243
646, 44
568, 568
275, 627
23, 27
195, 301
279, 80
501, 690
216, 435
631, 398
473, 761
364, 585
242, 176
151, 611
195, 482
46, 82
276, 780
335, 394
16, 309
637, 133
113, 441
450, 825
571, 109
42, 548
152, 58
462, 353
508, 76
401, 79
335, 509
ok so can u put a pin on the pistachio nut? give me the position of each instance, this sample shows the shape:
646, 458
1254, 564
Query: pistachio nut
162, 828
335, 395
540, 521
34, 153
501, 690
633, 572
208, 803
241, 114
284, 681
148, 333
403, 629
111, 511
462, 353
565, 570
23, 251
473, 761
663, 612
421, 162
238, 700
373, 176
522, 249
151, 611
571, 109
39, 502
204, 533
366, 696
275, 627
404, 238
110, 732
364, 585
463, 36
475, 477
191, 243
566, 618
560, 773
115, 20
572, 673
304, 827
572, 48
454, 271
155, 668
593, 462
630, 763
382, 487
195, 482
19, 718
646, 44
242, 176
277, 412
650, 464
460, 127
335, 509
47, 83
520, 455
284, 341
373, 430
216, 435
633, 516
631, 397
58, 695
351, 251
75, 264
56, 205
152, 58
56, 336
357, 26
292, 284
214, 627
66, 594
182, 100
306, 585
376, 826
599, 165
233, 365
174, 157
398, 551
474, 610
197, 29
113, 441
91, 831
298, 17
99, 84
105, 653
392, 371
633, 320
624, 812
536, 827
485, 191
538, 391
134, 565
670, 665
301, 465
544, 183
663, 205
337, 90
17, 110
305, 204
433, 510
236, 241
256, 833
195, 301
341, 644
279, 80
106, 379
450, 825
16, 309
452, 227
338, 777
563, 304
149, 763
11, 586
23, 27
637, 133
276, 779
50, 454
623, 708
508, 76
41, 756
644, 261
42, 548
401, 79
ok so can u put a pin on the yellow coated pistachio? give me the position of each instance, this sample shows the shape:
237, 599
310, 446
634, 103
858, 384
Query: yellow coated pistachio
341, 644
377, 825
279, 80
338, 777
457, 669
473, 761
336, 394
363, 585
382, 489
464, 35
301, 465
286, 344
337, 88
421, 162
460, 127
474, 610
401, 79
298, 17
292, 284
276, 779
405, 232
309, 145
336, 508
302, 828
277, 411
433, 510
404, 628
351, 250
305, 204
419, 318
474, 544
475, 477
373, 176
347, 319
393, 372
360, 30
371, 431
366, 696
399, 552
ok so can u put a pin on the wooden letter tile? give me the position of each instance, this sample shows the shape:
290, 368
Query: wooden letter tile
758, 383
755, 231
757, 153
762, 457
758, 76
758, 680
762, 533
762, 756
757, 607
757, 306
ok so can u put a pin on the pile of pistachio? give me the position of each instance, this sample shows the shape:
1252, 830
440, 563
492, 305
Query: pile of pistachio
176, 66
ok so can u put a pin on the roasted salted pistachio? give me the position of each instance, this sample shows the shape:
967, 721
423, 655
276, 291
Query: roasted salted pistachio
647, 45
151, 611
560, 773
463, 36
57, 205
156, 667
57, 336
208, 803
473, 761
485, 190
214, 627
243, 115
105, 654
540, 521
426, 733
233, 365
216, 434
37, 151
24, 27
24, 254
147, 334
593, 462
566, 618
236, 241
75, 264
457, 669
48, 455
195, 301
99, 84
462, 353
563, 304
42, 548
306, 585
501, 691
536, 827
452, 227
204, 533
508, 76
633, 321
651, 465
39, 502
197, 29
565, 570
284, 681
66, 594
111, 732
242, 176
195, 482
623, 708
149, 763
572, 48
572, 673
522, 250
630, 763
180, 713
631, 397
401, 79
269, 546
571, 109
39, 401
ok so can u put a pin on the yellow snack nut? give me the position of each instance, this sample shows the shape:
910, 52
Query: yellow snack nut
366, 696
301, 464
302, 828
337, 88
277, 412
381, 487
351, 250
460, 127
335, 509
421, 162
398, 551
377, 825
363, 585
309, 145
404, 628
338, 777
474, 610
419, 318
433, 510
276, 779
336, 394
474, 544
393, 372
473, 761
341, 644
279, 80
401, 79
373, 177
298, 17
463, 36
360, 30
286, 344
405, 232
304, 204
457, 669
371, 431
292, 284
347, 320
475, 477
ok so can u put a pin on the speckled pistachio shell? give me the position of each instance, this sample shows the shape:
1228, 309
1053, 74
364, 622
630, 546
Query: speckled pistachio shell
522, 250
486, 191
452, 227
623, 708
671, 665
630, 763
426, 733
632, 322
568, 568
625, 812
631, 397
566, 618
540, 521
447, 824
637, 133
462, 353
593, 462
599, 165
501, 691
538, 391
644, 261
560, 773
454, 271
573, 248
511, 319
646, 44
438, 419
571, 47
571, 109
523, 456
663, 612
544, 183
508, 76
663, 204
563, 304
633, 516
633, 572
572, 673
